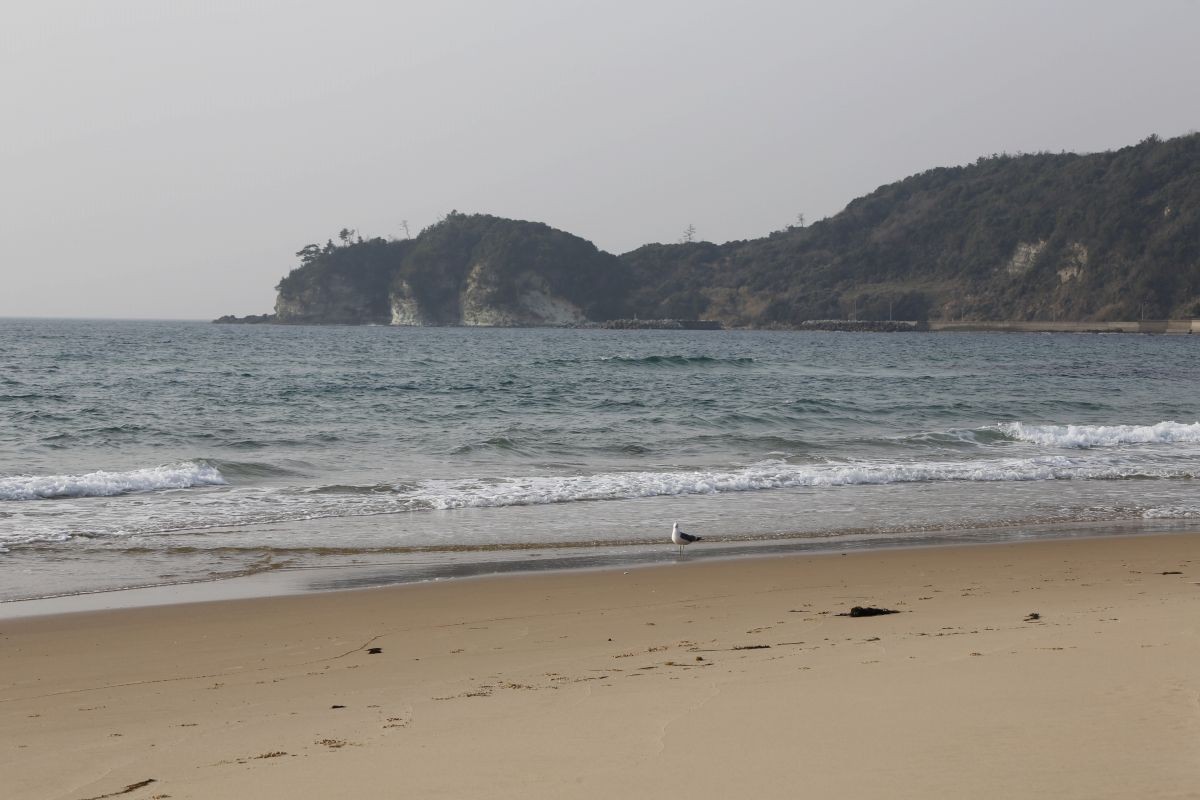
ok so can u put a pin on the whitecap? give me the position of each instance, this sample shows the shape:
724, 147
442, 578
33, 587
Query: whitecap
1088, 436
107, 484
541, 490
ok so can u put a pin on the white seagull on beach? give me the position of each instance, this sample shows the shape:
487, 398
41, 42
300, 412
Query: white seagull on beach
682, 539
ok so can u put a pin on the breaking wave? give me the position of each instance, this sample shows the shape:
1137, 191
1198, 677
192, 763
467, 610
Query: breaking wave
254, 469
108, 484
1088, 436
252, 505
542, 490
1172, 512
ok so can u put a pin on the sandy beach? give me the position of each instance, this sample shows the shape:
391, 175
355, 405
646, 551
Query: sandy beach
727, 679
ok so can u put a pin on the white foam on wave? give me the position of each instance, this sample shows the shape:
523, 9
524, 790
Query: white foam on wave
765, 475
1172, 512
107, 484
1088, 436
253, 505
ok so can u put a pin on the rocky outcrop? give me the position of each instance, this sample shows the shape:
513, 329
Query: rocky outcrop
526, 300
473, 270
249, 319
334, 301
486, 301
405, 308
1024, 256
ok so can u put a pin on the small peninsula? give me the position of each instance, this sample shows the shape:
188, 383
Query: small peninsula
1023, 238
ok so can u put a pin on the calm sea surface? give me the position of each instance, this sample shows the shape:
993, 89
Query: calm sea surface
138, 453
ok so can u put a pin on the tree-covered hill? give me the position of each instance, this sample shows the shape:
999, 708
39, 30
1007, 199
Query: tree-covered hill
1113, 235
466, 269
495, 256
1106, 236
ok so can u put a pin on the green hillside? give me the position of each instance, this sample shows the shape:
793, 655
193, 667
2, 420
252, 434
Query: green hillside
1106, 236
1034, 237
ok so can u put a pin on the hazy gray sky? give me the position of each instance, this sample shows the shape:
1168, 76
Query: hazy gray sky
165, 159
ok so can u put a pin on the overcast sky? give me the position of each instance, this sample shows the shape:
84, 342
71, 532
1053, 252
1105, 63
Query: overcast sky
166, 159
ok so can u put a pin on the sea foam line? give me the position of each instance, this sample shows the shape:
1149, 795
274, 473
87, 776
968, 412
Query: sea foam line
1172, 512
1087, 436
243, 506
109, 484
543, 490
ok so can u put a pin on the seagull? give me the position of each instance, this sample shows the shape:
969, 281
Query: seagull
682, 539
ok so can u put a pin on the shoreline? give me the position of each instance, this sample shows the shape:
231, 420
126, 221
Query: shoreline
704, 679
1173, 327
323, 578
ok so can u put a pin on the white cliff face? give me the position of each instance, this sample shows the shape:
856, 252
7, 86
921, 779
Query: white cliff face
1024, 256
288, 309
539, 304
478, 300
484, 303
534, 307
534, 303
405, 309
1074, 261
484, 317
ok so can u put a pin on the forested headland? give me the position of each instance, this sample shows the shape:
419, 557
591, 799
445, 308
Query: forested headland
1043, 236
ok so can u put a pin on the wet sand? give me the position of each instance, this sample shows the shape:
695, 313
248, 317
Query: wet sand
717, 679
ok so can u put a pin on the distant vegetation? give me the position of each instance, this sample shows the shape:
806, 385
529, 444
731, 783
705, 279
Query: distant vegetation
356, 281
347, 284
440, 259
1107, 236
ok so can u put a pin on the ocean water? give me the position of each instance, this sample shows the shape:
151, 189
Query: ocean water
143, 453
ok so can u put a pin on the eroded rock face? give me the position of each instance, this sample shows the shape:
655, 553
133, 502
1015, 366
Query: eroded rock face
288, 309
486, 301
406, 310
1024, 256
333, 302
525, 301
550, 310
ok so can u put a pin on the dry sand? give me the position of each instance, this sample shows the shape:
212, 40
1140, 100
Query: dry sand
730, 679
